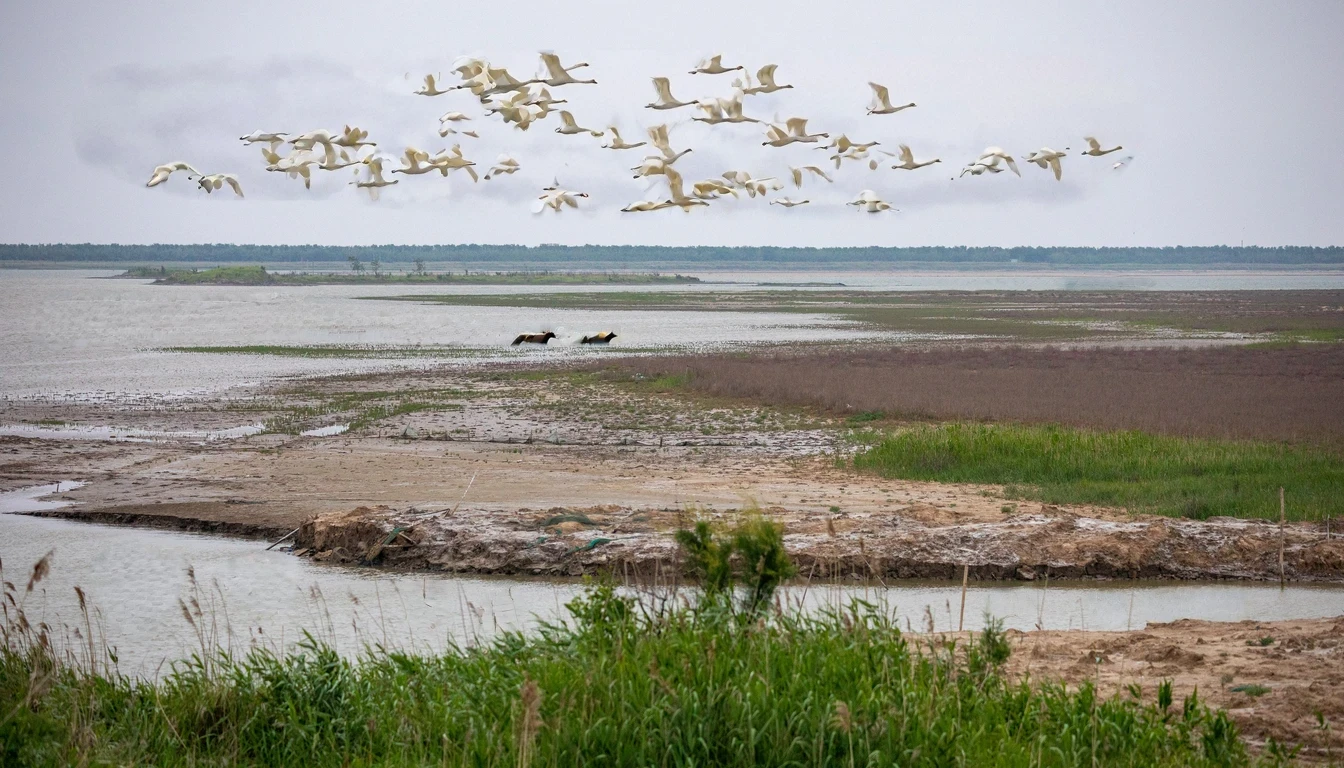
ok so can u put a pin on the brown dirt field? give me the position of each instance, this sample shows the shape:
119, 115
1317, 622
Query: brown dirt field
1275, 394
1303, 668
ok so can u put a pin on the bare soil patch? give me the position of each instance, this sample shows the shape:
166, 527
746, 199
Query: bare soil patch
1299, 664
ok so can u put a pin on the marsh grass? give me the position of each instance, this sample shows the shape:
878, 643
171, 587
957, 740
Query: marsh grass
617, 684
1190, 477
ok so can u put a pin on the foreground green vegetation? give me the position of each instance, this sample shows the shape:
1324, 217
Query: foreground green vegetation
364, 275
1197, 478
726, 680
716, 256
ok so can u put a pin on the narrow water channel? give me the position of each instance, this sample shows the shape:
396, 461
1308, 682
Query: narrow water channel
135, 577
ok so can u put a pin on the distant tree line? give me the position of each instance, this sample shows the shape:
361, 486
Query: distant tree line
646, 255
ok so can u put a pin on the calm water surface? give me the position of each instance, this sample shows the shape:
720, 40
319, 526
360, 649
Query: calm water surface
65, 333
135, 578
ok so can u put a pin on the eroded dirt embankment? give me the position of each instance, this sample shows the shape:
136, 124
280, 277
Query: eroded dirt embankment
913, 542
1271, 677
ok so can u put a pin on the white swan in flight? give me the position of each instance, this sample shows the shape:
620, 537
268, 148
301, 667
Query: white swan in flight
452, 160
794, 131
843, 144
375, 180
908, 162
353, 137
766, 77
266, 137
678, 197
569, 128
787, 203
644, 206
331, 163
217, 180
503, 166
713, 66
727, 110
869, 202
558, 74
616, 142
1094, 147
998, 154
712, 189
416, 163
554, 198
881, 104
1046, 157
666, 100
797, 174
655, 165
162, 172
431, 88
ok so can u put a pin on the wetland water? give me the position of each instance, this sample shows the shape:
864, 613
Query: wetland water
67, 334
135, 577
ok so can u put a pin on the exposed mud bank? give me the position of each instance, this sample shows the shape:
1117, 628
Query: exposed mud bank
907, 543
176, 522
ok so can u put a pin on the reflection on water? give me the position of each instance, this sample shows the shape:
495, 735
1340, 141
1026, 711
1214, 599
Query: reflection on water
135, 577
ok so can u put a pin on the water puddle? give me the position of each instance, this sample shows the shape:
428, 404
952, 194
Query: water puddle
334, 429
30, 499
124, 434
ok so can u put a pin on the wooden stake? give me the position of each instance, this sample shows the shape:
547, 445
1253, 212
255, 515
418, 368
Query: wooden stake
1282, 515
282, 538
965, 573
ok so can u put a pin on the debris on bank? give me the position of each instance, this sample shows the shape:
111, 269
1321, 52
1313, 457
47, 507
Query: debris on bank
910, 542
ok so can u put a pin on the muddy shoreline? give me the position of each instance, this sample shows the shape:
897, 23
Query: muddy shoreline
1047, 544
561, 474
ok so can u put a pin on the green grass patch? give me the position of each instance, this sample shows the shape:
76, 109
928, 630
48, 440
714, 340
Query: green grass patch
616, 686
1196, 478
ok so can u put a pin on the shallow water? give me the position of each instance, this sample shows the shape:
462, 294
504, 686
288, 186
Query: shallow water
135, 577
66, 334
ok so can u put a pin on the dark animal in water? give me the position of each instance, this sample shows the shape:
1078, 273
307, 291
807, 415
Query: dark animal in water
604, 337
533, 338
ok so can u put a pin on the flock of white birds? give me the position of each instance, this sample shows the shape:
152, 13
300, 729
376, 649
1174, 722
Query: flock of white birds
522, 103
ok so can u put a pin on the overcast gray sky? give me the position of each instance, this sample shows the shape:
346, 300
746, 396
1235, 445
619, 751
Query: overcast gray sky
1233, 111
